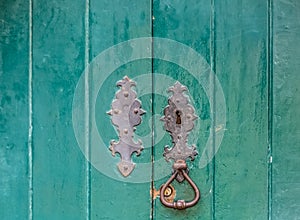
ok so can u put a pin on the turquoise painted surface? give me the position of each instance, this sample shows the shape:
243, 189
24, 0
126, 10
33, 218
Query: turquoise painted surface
14, 37
111, 23
241, 178
187, 23
252, 48
59, 168
286, 102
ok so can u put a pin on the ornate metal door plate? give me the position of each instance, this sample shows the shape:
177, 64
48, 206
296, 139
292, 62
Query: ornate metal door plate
179, 116
125, 114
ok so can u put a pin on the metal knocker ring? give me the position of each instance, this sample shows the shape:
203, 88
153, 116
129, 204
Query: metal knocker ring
180, 204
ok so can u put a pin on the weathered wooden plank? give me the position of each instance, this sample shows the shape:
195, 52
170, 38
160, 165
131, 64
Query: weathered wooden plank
286, 105
241, 65
185, 23
14, 123
113, 22
59, 168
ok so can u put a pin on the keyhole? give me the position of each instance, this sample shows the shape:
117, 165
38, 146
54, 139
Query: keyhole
178, 117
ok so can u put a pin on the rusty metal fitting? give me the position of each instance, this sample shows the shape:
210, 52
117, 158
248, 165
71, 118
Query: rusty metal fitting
180, 165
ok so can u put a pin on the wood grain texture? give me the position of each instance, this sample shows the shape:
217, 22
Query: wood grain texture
187, 23
241, 65
252, 46
59, 183
113, 22
14, 36
286, 99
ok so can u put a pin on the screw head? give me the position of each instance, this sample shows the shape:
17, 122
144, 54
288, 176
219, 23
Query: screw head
126, 94
136, 110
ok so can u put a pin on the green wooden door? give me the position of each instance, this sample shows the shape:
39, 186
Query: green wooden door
60, 61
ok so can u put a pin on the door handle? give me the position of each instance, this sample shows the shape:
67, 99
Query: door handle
179, 116
180, 168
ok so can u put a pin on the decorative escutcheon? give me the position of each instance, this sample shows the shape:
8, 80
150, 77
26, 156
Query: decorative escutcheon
125, 114
179, 116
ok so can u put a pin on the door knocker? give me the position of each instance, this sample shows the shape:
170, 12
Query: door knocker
125, 114
179, 116
178, 120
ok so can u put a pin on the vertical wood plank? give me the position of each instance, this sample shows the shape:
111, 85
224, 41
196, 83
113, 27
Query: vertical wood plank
113, 22
241, 64
59, 169
14, 52
286, 105
188, 23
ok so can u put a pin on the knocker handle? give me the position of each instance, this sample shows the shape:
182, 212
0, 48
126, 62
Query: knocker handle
180, 204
